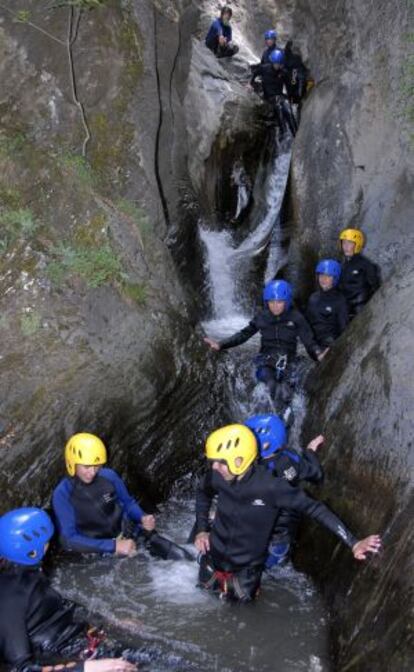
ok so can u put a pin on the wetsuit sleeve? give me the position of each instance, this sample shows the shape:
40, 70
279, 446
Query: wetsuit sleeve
288, 496
204, 497
71, 539
372, 276
129, 504
343, 315
241, 336
16, 650
307, 337
310, 468
256, 72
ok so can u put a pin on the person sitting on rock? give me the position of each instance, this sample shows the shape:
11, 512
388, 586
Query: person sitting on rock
94, 511
280, 326
219, 38
359, 278
294, 466
275, 79
270, 42
327, 309
38, 628
234, 547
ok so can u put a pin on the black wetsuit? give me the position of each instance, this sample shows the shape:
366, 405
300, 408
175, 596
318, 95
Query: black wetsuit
279, 342
266, 54
327, 313
359, 281
35, 622
295, 468
273, 80
297, 76
247, 511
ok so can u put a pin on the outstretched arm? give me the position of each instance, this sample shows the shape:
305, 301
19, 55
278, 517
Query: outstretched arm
294, 498
237, 339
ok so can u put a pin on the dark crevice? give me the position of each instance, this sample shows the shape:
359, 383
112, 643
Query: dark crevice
174, 65
158, 133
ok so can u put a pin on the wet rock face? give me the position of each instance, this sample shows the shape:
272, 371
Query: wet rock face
362, 400
95, 330
352, 166
353, 159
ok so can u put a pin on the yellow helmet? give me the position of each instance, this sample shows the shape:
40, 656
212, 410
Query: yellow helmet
230, 443
355, 236
86, 449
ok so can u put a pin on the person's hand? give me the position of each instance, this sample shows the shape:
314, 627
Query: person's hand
214, 345
371, 544
148, 523
322, 354
202, 542
125, 547
315, 443
109, 665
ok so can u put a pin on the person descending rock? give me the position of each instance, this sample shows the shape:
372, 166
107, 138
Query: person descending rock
95, 512
294, 466
327, 309
219, 38
38, 628
270, 42
274, 80
359, 279
280, 327
234, 547
297, 75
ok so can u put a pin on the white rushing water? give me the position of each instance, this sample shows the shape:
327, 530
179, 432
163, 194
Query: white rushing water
227, 264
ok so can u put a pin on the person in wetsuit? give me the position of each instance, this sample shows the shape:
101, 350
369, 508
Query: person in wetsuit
270, 42
292, 465
280, 326
360, 277
39, 631
297, 74
275, 80
327, 309
219, 38
95, 512
234, 547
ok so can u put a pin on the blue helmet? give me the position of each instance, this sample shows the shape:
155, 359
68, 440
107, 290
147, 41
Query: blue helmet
23, 535
277, 56
330, 267
270, 432
270, 35
278, 290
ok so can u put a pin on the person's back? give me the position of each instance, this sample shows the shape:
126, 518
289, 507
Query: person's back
32, 615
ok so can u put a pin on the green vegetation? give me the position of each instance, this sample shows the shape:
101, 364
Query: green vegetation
23, 16
10, 144
135, 291
15, 224
78, 167
30, 323
96, 266
135, 213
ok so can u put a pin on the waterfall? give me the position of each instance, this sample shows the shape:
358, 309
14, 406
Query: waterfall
227, 264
